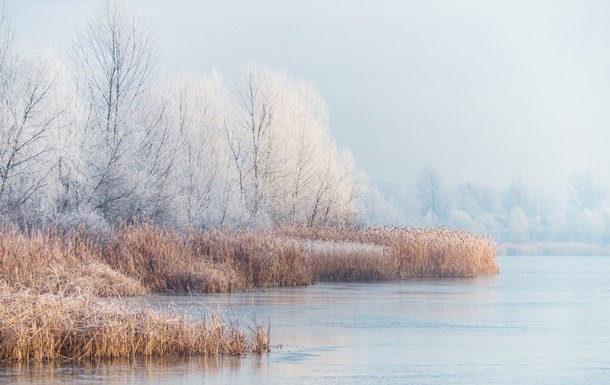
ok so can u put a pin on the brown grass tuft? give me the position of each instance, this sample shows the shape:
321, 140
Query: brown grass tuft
413, 252
50, 282
214, 261
50, 261
44, 327
260, 338
96, 278
142, 258
350, 261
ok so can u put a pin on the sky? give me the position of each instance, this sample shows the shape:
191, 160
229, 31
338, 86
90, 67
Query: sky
483, 91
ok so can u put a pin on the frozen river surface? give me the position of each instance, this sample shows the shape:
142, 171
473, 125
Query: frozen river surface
543, 320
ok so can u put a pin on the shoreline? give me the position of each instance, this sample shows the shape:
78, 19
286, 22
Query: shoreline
52, 282
555, 249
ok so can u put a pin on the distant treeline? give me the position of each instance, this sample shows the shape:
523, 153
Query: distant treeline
97, 137
517, 214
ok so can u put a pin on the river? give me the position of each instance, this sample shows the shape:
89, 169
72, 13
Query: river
543, 320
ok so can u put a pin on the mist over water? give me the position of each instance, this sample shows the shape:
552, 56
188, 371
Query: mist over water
543, 320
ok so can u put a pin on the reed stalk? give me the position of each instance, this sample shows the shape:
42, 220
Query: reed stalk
37, 327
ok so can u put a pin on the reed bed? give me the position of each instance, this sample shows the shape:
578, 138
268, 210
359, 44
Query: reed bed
51, 283
350, 261
214, 261
50, 261
143, 258
40, 327
163, 261
261, 257
414, 252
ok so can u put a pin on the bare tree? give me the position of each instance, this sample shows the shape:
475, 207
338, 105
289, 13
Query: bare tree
255, 139
28, 114
429, 192
206, 182
6, 39
289, 168
586, 191
114, 59
476, 200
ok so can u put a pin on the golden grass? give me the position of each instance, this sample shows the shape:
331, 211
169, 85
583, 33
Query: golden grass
51, 282
214, 261
143, 258
409, 252
39, 327
49, 261
163, 261
350, 261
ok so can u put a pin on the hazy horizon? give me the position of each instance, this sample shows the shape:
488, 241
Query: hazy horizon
482, 91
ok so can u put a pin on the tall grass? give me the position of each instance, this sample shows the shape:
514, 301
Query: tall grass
408, 252
214, 261
38, 327
50, 261
350, 261
143, 258
51, 282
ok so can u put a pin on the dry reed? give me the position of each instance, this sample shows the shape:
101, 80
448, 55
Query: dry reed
142, 258
213, 261
50, 282
350, 261
412, 252
49, 261
45, 327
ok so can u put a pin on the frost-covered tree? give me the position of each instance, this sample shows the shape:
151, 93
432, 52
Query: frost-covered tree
102, 140
518, 225
335, 191
30, 108
429, 190
289, 168
476, 200
586, 191
114, 59
556, 224
374, 209
319, 187
255, 141
206, 181
304, 121
589, 226
519, 194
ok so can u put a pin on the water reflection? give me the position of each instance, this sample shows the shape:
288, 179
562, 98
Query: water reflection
543, 320
121, 371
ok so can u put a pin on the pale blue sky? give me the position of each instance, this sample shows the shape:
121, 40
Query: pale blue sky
482, 90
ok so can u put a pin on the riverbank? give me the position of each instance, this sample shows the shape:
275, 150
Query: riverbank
554, 249
52, 282
41, 327
449, 331
141, 258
